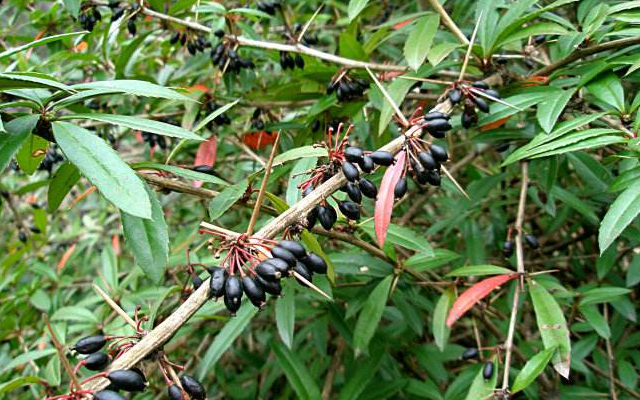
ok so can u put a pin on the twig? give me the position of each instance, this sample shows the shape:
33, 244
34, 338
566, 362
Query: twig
470, 48
610, 358
448, 22
308, 24
520, 268
115, 306
617, 381
60, 349
263, 187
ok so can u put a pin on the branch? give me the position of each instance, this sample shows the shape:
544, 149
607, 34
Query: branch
576, 55
520, 265
448, 22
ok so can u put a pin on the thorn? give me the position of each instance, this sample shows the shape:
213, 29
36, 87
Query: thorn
311, 285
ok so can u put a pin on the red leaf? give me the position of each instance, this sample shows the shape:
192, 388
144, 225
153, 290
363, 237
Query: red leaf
384, 202
259, 139
206, 155
474, 294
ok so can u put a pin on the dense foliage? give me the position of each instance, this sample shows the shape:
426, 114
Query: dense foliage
488, 249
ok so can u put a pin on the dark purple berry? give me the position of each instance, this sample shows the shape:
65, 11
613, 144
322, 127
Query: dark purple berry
455, 96
366, 164
193, 388
350, 171
327, 216
96, 361
381, 157
487, 370
294, 247
368, 188
480, 85
268, 271
232, 295
435, 115
470, 353
254, 292
507, 250
353, 191
353, 154
90, 344
482, 104
438, 153
302, 270
175, 393
349, 209
401, 188
127, 380
315, 263
427, 161
532, 241
284, 254
272, 288
217, 281
108, 395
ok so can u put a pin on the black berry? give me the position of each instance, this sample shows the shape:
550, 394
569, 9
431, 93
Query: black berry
350, 171
254, 291
487, 370
315, 263
284, 254
232, 294
327, 216
96, 361
455, 96
382, 157
507, 250
427, 161
401, 188
193, 387
217, 281
268, 271
349, 209
270, 287
175, 393
127, 380
353, 154
302, 270
532, 241
353, 191
482, 105
366, 164
108, 395
368, 188
294, 247
480, 85
470, 353
435, 115
90, 344
439, 153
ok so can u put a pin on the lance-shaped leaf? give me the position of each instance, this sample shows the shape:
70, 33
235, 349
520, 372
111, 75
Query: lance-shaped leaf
552, 326
440, 330
371, 315
532, 369
483, 388
474, 294
206, 154
296, 372
384, 202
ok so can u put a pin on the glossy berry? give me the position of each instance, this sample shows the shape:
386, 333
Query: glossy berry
315, 263
487, 370
284, 254
455, 96
427, 161
492, 93
193, 388
312, 218
273, 288
254, 291
436, 115
196, 280
350, 171
280, 265
22, 237
217, 281
366, 164
174, 392
507, 250
382, 157
480, 85
438, 153
532, 241
368, 188
268, 271
294, 247
90, 344
299, 61
205, 169
467, 120
482, 104
127, 380
131, 27
433, 177
437, 125
353, 191
233, 294
327, 216
349, 209
353, 154
470, 353
96, 361
302, 270
401, 188
108, 395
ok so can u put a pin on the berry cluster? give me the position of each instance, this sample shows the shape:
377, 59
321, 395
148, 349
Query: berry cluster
209, 107
154, 139
89, 17
473, 96
346, 87
509, 245
195, 42
289, 62
347, 160
255, 266
225, 56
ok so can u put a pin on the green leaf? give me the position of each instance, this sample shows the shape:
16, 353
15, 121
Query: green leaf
38, 42
298, 176
552, 326
299, 152
440, 51
355, 7
75, 313
539, 28
603, 295
625, 179
134, 87
479, 270
225, 199
397, 90
26, 80
522, 101
483, 388
31, 153
148, 239
420, 39
214, 114
532, 369
439, 326
357, 382
420, 261
623, 210
596, 320
17, 131
137, 123
104, 168
371, 315
402, 236
609, 89
286, 313
225, 338
349, 47
16, 383
186, 173
296, 373
550, 109
65, 177
73, 6
27, 357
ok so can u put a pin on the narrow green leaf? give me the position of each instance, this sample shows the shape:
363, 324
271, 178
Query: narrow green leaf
420, 39
17, 131
135, 88
65, 177
73, 6
357, 382
27, 357
148, 239
596, 320
227, 335
483, 388
371, 315
228, 197
550, 109
296, 373
440, 51
552, 326
214, 114
38, 42
609, 89
402, 236
479, 270
75, 313
299, 152
31, 153
27, 80
439, 326
104, 168
298, 176
603, 295
286, 313
16, 383
355, 7
623, 210
186, 173
532, 369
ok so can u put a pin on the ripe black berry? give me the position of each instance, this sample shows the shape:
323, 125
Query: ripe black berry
532, 241
467, 120
539, 39
219, 33
268, 271
480, 85
507, 250
205, 169
439, 124
299, 61
368, 188
433, 177
487, 370
353, 191
401, 188
193, 387
127, 380
217, 281
294, 247
455, 96
233, 294
353, 154
254, 292
315, 263
482, 104
90, 344
22, 237
273, 288
108, 395
502, 60
438, 153
302, 270
284, 254
470, 353
427, 161
435, 115
96, 361
175, 393
312, 218
174, 38
349, 209
382, 157
131, 27
492, 93
350, 171
327, 216
366, 164
196, 280
280, 265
